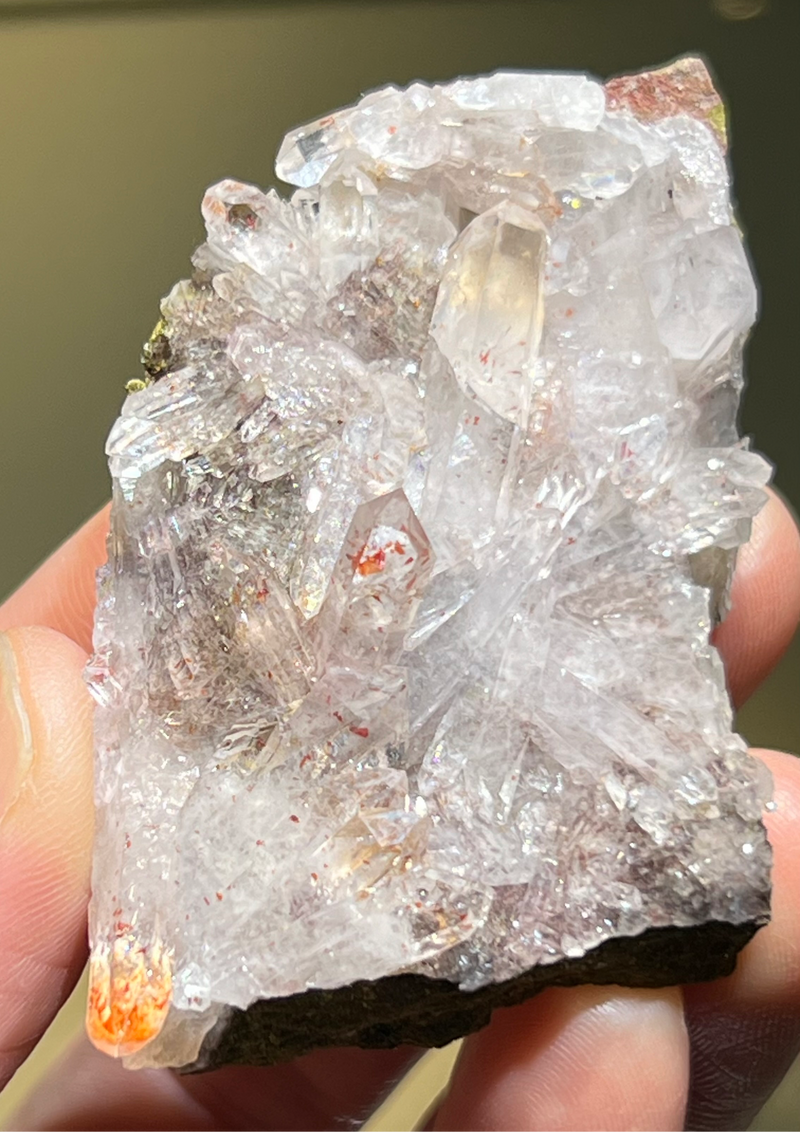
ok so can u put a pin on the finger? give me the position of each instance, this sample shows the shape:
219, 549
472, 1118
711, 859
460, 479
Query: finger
61, 593
45, 832
585, 1057
326, 1089
765, 600
745, 1030
86, 1090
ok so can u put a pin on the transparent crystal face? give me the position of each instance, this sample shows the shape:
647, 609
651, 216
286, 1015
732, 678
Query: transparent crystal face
402, 654
491, 293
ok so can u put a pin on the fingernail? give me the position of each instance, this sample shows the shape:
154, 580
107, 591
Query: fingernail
16, 745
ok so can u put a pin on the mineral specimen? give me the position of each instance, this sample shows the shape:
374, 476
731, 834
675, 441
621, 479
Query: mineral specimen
423, 515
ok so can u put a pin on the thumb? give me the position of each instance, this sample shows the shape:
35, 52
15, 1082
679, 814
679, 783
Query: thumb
46, 817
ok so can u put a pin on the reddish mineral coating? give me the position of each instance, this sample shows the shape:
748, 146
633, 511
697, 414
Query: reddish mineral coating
127, 1008
684, 87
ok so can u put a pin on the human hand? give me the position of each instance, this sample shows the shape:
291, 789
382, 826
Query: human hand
589, 1057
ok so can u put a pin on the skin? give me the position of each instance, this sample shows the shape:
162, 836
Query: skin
701, 1057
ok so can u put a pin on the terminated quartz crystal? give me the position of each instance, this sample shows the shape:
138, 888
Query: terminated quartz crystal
422, 519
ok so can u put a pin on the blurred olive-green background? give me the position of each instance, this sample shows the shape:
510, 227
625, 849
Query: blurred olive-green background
114, 116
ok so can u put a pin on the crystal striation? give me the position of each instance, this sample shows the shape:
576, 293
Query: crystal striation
423, 515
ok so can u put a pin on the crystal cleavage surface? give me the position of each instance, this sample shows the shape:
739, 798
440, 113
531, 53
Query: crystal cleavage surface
422, 518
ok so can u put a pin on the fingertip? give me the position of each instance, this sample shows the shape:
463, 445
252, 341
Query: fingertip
86, 1090
45, 833
768, 971
583, 1057
745, 1029
330, 1088
774, 956
60, 594
765, 600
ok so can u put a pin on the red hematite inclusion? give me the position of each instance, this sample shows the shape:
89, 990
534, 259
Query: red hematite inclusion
684, 87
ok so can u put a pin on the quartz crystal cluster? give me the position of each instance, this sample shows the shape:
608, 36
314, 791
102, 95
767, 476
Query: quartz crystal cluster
423, 516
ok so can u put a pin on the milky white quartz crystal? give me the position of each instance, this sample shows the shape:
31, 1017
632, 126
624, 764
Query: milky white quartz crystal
420, 526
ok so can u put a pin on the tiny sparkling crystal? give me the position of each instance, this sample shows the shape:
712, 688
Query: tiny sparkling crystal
422, 518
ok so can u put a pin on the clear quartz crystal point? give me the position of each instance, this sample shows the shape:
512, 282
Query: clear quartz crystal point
489, 308
422, 520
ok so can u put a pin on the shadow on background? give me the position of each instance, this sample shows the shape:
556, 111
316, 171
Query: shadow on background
117, 114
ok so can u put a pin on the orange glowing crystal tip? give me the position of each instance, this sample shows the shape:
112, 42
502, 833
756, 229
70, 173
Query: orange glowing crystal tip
130, 988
